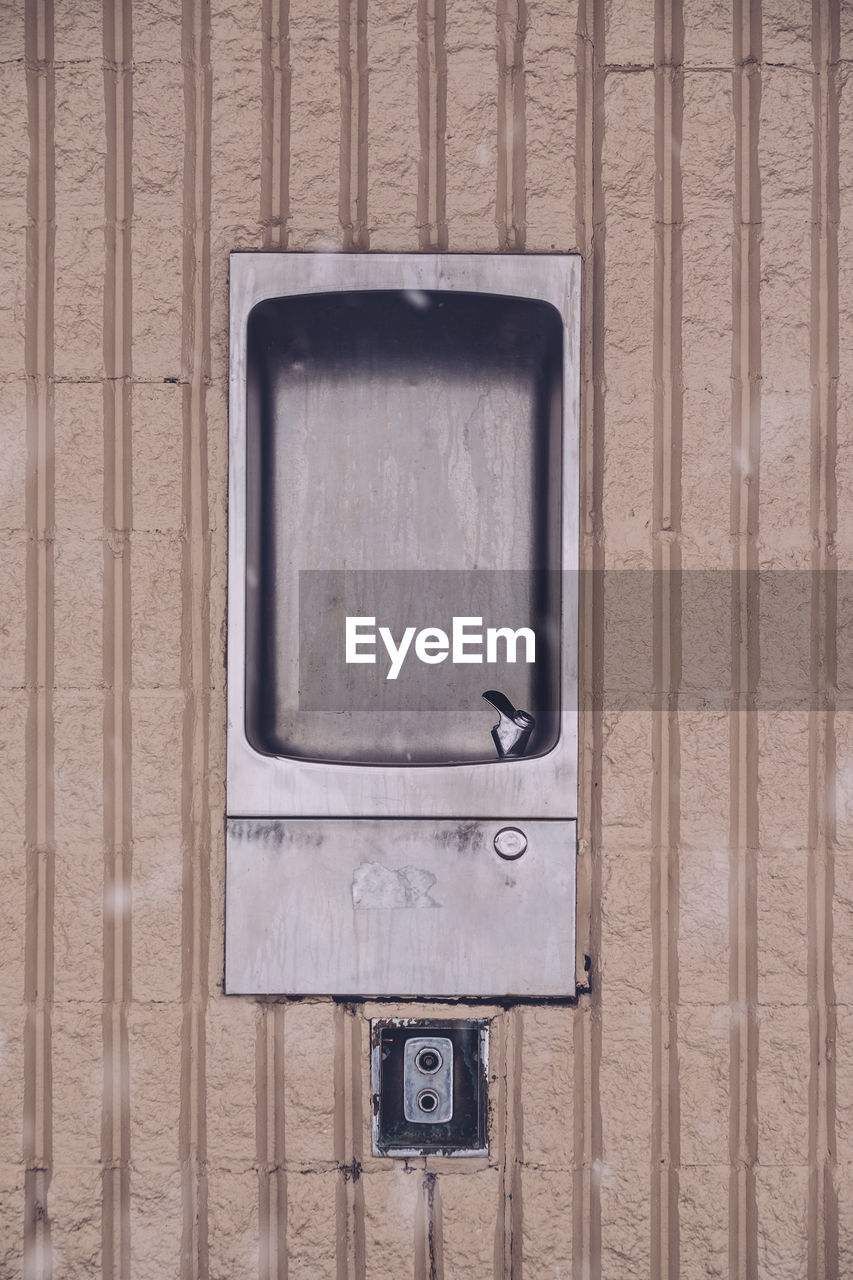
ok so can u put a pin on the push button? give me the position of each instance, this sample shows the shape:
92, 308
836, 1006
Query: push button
510, 843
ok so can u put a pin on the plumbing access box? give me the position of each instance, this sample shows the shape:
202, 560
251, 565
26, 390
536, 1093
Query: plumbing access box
402, 625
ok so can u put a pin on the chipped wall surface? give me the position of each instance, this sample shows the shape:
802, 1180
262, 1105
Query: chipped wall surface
693, 1115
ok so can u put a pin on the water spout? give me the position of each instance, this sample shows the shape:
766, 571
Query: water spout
512, 732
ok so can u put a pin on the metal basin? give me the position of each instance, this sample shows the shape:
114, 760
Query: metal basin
403, 463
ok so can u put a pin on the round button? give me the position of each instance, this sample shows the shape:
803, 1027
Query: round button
510, 843
428, 1060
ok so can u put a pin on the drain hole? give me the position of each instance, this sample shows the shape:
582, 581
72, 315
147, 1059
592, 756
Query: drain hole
428, 1061
427, 1100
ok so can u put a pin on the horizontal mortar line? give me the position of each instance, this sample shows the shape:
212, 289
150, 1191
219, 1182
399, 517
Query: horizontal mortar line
130, 1004
115, 534
114, 1164
791, 66
86, 380
159, 61
318, 1167
755, 1165
170, 690
725, 68
99, 380
40, 64
533, 1166
729, 1165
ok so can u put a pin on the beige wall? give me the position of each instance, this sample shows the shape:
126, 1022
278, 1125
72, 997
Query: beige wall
693, 1116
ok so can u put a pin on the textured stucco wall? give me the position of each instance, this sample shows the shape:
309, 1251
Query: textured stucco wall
693, 1116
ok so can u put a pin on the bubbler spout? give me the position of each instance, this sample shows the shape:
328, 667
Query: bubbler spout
512, 732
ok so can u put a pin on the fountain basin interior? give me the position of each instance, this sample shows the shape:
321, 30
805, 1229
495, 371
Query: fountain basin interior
402, 449
404, 462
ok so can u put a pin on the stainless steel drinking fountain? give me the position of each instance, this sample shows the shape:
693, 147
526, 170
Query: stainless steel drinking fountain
402, 625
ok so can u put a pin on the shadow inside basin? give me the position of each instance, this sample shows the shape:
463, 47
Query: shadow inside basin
404, 464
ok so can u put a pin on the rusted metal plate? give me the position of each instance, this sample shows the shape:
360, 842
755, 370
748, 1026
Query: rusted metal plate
442, 1063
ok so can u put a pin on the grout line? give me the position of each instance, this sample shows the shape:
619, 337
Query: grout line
352, 197
345, 172
349, 1189
263, 1104
665, 1153
509, 1236
118, 832
515, 1118
270, 1141
356, 1182
743, 837
428, 1263
432, 121
362, 234
270, 88
498, 1072
422, 1268
270, 1026
511, 195
280, 1148
275, 123
284, 110
823, 1248
195, 641
340, 1143
591, 236
435, 1235
39, 809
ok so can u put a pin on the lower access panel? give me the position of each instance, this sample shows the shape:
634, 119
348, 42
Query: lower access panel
388, 907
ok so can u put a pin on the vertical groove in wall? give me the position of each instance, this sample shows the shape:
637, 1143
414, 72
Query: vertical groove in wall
195, 639
349, 1120
118, 836
515, 1142
39, 810
272, 1174
823, 1258
275, 123
590, 233
269, 1044
511, 201
743, 835
665, 1153
510, 1122
429, 1234
352, 200
432, 123
498, 1103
